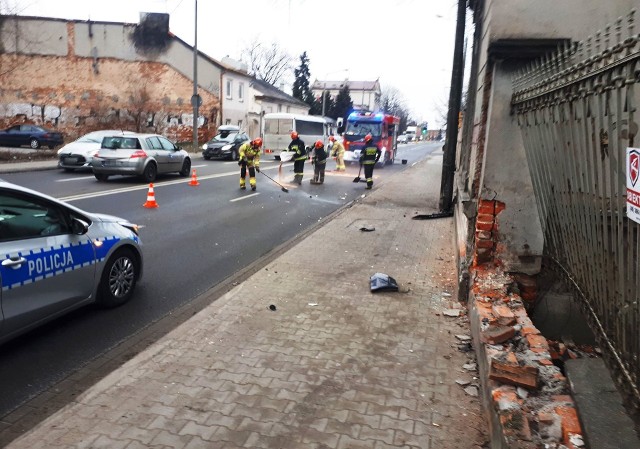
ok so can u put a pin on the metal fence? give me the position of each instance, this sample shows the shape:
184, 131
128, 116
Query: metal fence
577, 111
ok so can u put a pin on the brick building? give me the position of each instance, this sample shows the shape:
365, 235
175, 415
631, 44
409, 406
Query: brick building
78, 76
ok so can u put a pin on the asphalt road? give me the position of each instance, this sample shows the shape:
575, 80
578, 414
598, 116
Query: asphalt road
197, 238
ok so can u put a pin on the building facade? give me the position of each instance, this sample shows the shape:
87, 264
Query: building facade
86, 75
364, 94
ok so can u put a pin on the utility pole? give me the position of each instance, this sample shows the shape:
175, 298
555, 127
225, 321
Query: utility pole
455, 96
195, 99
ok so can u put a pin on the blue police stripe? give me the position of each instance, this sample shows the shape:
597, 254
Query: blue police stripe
43, 263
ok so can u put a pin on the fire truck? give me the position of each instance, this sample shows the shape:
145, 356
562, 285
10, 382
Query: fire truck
382, 127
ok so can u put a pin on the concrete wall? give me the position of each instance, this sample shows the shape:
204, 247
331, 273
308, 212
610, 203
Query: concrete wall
492, 163
506, 178
235, 109
575, 19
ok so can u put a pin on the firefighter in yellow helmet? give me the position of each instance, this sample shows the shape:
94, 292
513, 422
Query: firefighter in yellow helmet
369, 156
337, 151
299, 158
249, 158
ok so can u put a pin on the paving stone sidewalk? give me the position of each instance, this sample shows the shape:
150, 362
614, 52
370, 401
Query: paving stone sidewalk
333, 366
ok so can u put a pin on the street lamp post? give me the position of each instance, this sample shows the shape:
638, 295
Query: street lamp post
195, 99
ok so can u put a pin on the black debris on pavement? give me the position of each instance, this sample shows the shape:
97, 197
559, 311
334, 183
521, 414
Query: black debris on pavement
367, 229
381, 282
432, 216
272, 307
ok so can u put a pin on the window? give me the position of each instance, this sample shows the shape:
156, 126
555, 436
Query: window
24, 217
241, 91
279, 108
229, 87
166, 144
309, 128
227, 121
154, 143
239, 123
113, 143
278, 126
288, 108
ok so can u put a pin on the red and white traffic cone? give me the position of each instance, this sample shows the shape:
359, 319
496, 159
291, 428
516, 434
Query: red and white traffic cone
194, 179
151, 198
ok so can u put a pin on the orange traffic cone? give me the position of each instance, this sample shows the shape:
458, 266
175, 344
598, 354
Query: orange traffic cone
194, 179
151, 198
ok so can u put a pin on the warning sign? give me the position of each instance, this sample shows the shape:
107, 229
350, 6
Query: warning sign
633, 186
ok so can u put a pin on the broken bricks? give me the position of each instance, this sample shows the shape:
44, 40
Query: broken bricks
506, 368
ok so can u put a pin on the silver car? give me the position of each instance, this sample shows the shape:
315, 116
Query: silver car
144, 155
55, 258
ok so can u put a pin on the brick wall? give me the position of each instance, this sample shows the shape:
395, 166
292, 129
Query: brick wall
527, 396
76, 95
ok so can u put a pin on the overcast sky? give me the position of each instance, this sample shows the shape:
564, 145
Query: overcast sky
407, 44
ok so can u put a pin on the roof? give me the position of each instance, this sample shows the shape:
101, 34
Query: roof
353, 85
271, 92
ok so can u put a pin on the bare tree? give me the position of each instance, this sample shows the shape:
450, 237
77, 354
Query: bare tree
393, 102
268, 62
140, 100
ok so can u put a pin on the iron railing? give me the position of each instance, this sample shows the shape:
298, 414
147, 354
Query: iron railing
577, 111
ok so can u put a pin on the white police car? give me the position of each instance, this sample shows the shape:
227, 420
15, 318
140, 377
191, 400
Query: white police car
55, 258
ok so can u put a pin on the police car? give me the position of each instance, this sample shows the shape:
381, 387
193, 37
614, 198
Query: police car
55, 258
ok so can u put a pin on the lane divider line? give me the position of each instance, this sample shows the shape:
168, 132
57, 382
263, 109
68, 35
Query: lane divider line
244, 197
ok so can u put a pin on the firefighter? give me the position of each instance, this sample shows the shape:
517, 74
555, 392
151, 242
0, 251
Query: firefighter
297, 145
319, 161
249, 158
337, 151
369, 156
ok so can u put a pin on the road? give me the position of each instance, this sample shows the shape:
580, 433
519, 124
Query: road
197, 238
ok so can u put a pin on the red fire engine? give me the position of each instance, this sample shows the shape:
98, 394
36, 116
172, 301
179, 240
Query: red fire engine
382, 127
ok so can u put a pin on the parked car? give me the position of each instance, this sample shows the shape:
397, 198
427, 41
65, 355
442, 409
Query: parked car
55, 258
403, 138
225, 144
77, 155
144, 155
32, 135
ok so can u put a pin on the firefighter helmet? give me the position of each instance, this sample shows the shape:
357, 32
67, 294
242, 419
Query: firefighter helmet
368, 138
294, 135
332, 139
257, 142
319, 144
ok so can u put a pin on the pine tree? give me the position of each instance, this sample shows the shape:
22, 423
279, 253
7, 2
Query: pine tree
301, 89
343, 104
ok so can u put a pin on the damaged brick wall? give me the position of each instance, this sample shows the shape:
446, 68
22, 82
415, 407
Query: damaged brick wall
526, 394
77, 95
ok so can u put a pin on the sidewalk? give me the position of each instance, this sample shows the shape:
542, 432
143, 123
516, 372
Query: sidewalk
333, 366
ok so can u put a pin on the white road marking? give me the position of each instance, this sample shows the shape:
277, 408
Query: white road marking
145, 186
74, 179
244, 197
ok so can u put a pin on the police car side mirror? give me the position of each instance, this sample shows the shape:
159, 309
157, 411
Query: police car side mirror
79, 227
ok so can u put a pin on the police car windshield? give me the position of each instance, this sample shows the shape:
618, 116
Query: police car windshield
362, 129
225, 136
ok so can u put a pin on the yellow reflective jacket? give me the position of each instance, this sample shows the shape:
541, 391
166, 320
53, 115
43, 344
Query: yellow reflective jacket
250, 154
337, 149
370, 154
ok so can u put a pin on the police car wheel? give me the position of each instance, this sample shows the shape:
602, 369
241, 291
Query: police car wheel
118, 279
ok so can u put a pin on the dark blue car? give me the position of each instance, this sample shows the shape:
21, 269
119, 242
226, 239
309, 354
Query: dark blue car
31, 135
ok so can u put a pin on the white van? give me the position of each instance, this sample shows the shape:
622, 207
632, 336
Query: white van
277, 127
